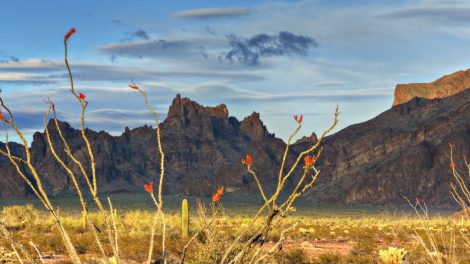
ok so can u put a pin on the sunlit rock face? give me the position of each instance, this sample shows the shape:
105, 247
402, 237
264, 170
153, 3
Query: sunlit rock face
446, 86
402, 152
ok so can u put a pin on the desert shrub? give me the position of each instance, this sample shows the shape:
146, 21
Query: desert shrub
362, 253
20, 216
294, 256
327, 258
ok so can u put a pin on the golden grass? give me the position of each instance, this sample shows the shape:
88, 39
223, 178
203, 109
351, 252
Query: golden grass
366, 235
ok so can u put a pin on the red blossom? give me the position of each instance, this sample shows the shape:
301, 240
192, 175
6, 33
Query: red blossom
309, 161
149, 187
417, 200
82, 96
452, 165
248, 160
299, 118
218, 194
2, 116
133, 86
70, 33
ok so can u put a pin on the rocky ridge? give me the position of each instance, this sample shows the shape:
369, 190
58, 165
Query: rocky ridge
402, 152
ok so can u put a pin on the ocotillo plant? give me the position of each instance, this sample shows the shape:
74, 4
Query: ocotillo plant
184, 218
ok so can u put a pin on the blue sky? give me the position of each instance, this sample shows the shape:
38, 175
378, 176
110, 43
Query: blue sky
278, 58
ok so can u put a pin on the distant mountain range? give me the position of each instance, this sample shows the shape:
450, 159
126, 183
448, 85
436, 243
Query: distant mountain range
401, 152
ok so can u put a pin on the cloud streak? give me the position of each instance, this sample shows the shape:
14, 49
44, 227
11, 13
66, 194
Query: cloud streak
208, 13
437, 14
41, 71
249, 50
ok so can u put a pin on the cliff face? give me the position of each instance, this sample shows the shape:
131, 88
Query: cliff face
443, 87
402, 152
203, 147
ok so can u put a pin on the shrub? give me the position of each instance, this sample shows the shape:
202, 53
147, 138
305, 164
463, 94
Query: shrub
20, 216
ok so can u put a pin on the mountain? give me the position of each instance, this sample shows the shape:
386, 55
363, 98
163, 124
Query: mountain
203, 148
401, 152
446, 86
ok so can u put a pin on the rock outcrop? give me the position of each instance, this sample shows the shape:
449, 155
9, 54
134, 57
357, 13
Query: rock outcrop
446, 86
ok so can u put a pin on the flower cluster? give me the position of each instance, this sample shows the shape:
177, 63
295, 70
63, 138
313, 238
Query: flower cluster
70, 33
149, 187
82, 96
248, 160
2, 116
218, 194
299, 118
309, 161
133, 86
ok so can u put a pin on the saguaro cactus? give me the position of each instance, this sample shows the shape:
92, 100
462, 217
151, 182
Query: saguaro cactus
184, 218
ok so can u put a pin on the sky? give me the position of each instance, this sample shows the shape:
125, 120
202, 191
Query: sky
278, 58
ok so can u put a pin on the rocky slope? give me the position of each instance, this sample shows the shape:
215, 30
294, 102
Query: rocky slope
446, 86
401, 152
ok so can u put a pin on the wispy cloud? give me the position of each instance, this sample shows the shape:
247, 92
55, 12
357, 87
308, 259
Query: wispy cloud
178, 48
249, 50
40, 71
213, 13
434, 14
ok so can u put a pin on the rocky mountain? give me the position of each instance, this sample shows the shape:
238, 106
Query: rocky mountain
203, 148
402, 152
446, 86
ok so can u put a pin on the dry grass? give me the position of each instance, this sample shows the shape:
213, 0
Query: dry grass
344, 239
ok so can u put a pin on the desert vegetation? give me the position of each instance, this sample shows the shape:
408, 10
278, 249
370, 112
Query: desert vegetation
99, 232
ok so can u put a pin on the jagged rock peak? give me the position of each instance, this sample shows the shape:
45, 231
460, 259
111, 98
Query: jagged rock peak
253, 127
443, 87
183, 105
312, 138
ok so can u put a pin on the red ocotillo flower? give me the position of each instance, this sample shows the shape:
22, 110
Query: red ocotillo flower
149, 187
218, 194
452, 166
299, 118
70, 33
82, 96
2, 116
248, 160
133, 86
309, 161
